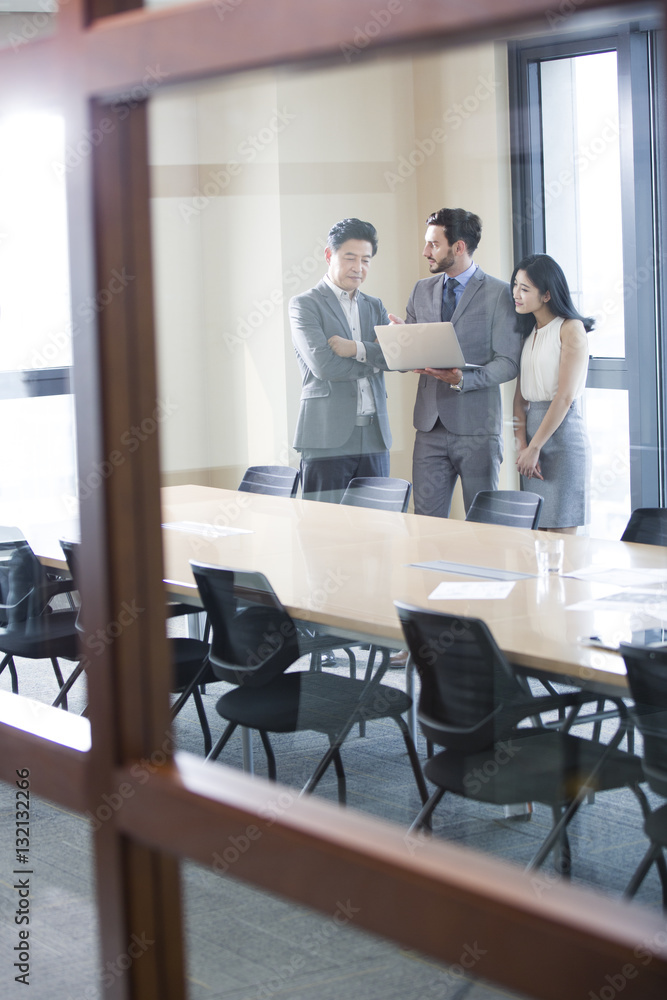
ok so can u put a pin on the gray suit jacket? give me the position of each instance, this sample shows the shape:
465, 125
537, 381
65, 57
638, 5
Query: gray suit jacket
485, 323
329, 384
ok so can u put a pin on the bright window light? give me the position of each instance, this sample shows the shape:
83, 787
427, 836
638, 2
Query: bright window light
35, 324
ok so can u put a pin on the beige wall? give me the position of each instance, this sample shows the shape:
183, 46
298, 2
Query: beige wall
248, 176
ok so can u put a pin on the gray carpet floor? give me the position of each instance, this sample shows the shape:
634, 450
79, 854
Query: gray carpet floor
244, 944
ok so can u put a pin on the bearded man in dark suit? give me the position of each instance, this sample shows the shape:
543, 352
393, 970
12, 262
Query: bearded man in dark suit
458, 415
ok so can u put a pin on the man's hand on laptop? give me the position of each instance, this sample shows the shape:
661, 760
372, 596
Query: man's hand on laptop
450, 375
393, 320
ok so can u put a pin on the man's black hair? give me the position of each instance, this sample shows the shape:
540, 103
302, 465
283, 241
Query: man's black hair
458, 225
352, 229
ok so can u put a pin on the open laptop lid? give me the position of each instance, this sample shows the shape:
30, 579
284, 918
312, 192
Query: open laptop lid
407, 346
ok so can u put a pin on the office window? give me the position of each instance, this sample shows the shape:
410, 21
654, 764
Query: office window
36, 406
586, 189
34, 278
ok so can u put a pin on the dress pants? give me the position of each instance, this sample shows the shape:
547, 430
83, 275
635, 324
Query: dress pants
440, 457
326, 472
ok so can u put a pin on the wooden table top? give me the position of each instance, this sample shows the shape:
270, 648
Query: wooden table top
344, 566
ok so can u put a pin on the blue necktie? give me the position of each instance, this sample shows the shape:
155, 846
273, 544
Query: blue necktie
449, 300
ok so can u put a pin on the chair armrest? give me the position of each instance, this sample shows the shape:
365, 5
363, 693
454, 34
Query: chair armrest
569, 699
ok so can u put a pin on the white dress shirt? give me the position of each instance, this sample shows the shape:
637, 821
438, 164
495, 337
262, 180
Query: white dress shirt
350, 306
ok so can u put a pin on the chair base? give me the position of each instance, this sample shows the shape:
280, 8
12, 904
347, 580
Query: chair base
317, 702
655, 828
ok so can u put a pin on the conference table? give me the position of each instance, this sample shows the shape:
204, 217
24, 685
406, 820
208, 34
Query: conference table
342, 567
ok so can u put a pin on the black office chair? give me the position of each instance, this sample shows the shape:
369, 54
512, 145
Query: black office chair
30, 627
275, 480
647, 525
380, 492
190, 666
647, 677
472, 704
513, 508
254, 642
283, 481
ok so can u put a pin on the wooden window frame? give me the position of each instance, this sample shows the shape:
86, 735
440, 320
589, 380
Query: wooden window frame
563, 942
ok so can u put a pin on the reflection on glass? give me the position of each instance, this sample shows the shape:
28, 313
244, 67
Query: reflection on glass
582, 188
243, 943
24, 21
607, 422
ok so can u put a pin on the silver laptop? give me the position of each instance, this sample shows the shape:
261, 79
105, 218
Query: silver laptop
407, 346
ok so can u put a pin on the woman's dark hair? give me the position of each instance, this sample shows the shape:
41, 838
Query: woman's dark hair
547, 276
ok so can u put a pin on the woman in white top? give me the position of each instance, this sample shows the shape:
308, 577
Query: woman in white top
553, 452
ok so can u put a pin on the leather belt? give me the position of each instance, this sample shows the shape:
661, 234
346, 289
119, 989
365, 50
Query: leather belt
365, 420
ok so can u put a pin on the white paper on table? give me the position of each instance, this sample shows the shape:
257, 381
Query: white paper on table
646, 602
619, 576
485, 590
208, 530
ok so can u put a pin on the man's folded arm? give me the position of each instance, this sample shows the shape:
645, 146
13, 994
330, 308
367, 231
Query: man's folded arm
310, 341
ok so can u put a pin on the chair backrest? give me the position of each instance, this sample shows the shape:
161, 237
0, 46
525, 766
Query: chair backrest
276, 480
71, 553
647, 525
253, 637
380, 492
513, 508
467, 684
647, 678
23, 580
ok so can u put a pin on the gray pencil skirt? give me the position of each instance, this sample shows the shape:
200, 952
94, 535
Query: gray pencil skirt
565, 464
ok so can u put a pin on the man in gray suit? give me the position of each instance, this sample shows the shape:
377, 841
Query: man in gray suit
343, 428
458, 415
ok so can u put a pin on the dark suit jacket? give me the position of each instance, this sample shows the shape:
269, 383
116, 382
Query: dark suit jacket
485, 323
329, 384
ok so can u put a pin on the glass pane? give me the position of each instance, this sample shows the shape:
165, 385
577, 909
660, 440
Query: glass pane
244, 944
606, 415
582, 188
248, 175
56, 926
